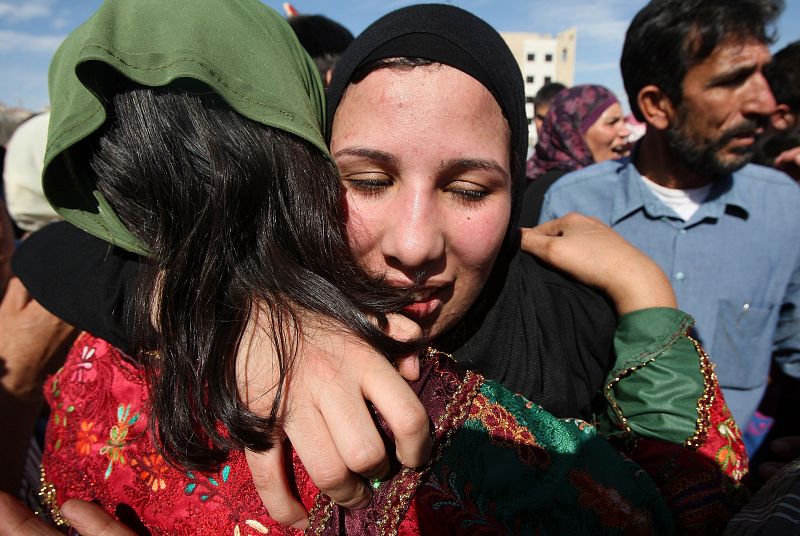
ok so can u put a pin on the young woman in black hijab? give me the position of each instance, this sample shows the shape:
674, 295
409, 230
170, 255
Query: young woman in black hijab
540, 333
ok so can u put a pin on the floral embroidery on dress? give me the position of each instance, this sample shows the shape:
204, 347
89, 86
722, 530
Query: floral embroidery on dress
58, 410
153, 470
84, 366
444, 495
109, 418
118, 438
86, 438
504, 430
208, 486
612, 509
727, 456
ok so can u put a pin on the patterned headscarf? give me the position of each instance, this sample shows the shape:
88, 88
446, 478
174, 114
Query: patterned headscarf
561, 143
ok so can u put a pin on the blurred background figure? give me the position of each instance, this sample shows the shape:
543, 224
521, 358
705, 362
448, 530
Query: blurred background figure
542, 100
324, 39
779, 146
22, 175
636, 128
9, 121
33, 342
584, 125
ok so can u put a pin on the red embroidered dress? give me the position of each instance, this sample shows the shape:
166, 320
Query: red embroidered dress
500, 464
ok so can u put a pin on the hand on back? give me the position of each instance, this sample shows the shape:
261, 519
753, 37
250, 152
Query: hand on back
596, 255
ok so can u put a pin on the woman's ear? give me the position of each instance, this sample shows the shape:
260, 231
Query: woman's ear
655, 106
783, 118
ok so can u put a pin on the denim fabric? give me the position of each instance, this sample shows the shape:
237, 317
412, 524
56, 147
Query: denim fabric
735, 265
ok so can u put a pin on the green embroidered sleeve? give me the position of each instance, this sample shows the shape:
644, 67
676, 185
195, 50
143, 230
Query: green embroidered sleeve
658, 379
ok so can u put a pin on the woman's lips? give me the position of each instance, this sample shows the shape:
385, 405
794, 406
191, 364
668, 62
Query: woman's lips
426, 303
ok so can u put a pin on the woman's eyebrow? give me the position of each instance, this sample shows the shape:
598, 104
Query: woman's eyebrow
465, 164
369, 154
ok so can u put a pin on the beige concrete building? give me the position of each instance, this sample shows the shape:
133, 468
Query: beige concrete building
543, 58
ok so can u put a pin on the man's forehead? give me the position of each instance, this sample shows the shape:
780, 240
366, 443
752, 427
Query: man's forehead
738, 50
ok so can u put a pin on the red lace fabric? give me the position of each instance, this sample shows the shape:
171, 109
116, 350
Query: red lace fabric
98, 448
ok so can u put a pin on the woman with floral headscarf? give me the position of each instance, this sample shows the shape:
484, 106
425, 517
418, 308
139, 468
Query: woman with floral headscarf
583, 126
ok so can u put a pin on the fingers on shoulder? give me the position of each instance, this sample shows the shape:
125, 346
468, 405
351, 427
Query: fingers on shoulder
580, 220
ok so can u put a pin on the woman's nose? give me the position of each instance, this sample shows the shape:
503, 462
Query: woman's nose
413, 238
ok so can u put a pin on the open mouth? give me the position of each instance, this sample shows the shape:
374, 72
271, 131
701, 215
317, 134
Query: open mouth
426, 302
622, 149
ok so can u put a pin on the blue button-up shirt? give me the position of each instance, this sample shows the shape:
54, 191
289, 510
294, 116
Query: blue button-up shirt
735, 265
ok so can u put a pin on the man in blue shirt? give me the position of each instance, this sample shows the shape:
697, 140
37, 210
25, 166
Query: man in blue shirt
726, 232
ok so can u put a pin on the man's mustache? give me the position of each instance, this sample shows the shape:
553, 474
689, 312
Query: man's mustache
748, 127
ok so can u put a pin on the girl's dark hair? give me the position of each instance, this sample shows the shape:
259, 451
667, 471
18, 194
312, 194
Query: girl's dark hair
668, 37
237, 216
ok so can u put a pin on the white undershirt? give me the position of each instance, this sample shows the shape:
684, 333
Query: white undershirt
684, 202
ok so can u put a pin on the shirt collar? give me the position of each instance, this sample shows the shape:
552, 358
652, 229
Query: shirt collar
632, 194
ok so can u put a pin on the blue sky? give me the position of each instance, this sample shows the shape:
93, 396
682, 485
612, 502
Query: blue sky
31, 30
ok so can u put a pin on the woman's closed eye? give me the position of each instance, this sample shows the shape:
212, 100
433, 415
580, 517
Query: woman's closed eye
371, 184
467, 193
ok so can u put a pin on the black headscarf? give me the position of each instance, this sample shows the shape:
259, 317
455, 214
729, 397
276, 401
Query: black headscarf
532, 329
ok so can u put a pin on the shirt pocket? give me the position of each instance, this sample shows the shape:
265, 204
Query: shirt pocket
742, 347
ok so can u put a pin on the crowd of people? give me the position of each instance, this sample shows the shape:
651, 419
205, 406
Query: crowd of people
322, 287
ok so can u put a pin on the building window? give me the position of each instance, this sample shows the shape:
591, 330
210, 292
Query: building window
529, 80
529, 99
531, 57
564, 55
547, 80
548, 57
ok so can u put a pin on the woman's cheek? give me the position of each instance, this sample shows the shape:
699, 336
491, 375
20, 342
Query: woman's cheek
481, 237
362, 241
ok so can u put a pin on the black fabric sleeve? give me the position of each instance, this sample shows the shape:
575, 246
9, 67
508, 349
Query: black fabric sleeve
588, 322
81, 279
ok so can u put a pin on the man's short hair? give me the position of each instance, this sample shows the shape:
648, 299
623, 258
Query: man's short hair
783, 75
668, 37
324, 39
547, 92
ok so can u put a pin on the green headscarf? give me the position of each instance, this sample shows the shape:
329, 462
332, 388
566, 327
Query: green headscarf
242, 49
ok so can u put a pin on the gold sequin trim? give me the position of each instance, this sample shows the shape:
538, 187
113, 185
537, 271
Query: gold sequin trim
319, 515
431, 353
47, 495
406, 484
706, 401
